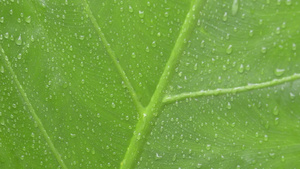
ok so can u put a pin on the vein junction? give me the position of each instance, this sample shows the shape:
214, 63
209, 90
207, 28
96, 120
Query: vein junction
144, 125
169, 99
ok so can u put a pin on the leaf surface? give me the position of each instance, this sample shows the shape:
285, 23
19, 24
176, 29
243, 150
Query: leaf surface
149, 84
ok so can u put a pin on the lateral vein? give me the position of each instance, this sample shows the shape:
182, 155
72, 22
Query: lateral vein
219, 91
32, 111
111, 53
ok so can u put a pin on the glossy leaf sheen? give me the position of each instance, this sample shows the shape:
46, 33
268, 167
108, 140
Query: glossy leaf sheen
149, 84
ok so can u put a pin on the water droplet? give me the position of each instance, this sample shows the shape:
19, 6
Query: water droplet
2, 69
228, 106
153, 44
133, 55
141, 14
225, 16
19, 40
28, 19
282, 159
235, 7
275, 111
199, 165
229, 49
81, 37
166, 14
266, 138
1, 19
294, 46
251, 33
196, 66
174, 157
130, 9
263, 49
202, 44
157, 156
276, 121
278, 30
208, 147
292, 96
241, 68
113, 105
279, 72
73, 135
272, 155
147, 49
288, 2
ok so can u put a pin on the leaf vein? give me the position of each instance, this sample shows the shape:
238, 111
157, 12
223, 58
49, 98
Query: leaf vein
219, 91
32, 111
111, 53
143, 127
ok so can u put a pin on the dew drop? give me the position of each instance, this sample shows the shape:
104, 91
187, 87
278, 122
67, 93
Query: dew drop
225, 16
113, 105
272, 155
166, 14
19, 40
263, 50
133, 55
279, 72
28, 19
199, 165
130, 9
73, 135
174, 157
235, 7
196, 66
229, 49
2, 69
292, 96
153, 44
294, 46
141, 14
277, 30
251, 33
288, 2
241, 68
228, 106
276, 121
81, 37
208, 147
1, 19
157, 156
275, 111
19, 56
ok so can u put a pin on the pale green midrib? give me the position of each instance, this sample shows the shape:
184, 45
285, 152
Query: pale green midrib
111, 53
144, 126
274, 82
32, 111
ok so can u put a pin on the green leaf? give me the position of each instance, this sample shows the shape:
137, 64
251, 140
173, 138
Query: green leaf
149, 84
